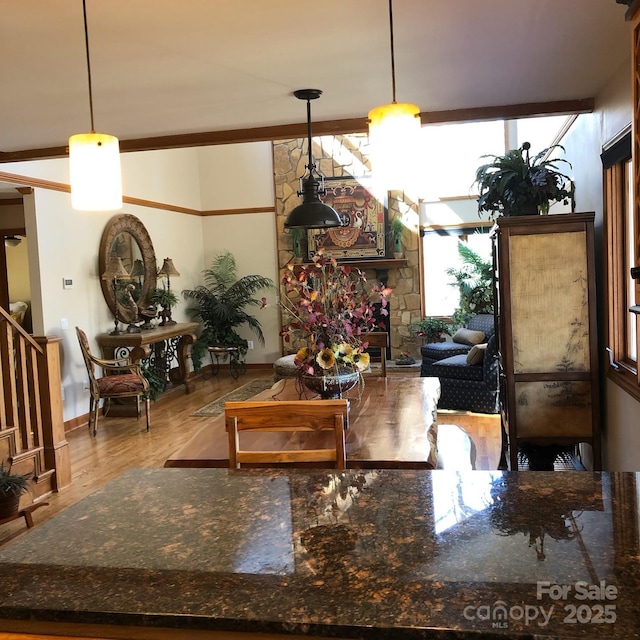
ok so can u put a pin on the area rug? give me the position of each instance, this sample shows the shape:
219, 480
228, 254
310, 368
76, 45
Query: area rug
247, 390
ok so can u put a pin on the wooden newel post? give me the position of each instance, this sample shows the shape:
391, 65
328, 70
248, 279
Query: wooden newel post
56, 447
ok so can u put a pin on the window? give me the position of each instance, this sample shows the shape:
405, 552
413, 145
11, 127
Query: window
448, 200
442, 296
621, 241
452, 153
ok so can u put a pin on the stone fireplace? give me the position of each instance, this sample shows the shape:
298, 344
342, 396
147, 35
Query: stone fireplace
345, 155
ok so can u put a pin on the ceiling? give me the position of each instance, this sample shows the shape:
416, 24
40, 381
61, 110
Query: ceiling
167, 67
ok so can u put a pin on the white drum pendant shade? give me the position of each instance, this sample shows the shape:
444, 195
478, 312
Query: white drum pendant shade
94, 171
394, 137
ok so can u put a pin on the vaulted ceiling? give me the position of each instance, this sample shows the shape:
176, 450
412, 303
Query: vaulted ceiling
171, 67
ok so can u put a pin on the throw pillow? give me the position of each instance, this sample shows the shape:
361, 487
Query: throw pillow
476, 355
468, 336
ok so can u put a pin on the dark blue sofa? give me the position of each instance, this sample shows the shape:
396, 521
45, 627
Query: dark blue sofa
465, 387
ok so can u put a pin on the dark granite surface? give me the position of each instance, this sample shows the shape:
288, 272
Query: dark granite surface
357, 554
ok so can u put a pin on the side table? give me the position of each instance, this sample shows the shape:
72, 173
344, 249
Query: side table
236, 366
167, 346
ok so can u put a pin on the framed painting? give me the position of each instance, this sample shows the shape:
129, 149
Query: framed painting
364, 222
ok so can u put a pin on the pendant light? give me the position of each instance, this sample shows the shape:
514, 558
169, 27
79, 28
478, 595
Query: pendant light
312, 213
394, 133
94, 160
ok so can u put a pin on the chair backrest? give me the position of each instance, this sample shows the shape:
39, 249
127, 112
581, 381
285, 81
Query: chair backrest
378, 339
86, 354
482, 322
286, 417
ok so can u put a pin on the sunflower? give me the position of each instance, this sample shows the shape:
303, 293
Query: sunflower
361, 360
302, 356
344, 352
326, 359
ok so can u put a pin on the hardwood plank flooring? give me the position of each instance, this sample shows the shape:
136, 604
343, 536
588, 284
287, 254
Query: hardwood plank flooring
484, 430
123, 443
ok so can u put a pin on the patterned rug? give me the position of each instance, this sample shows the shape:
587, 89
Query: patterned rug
247, 390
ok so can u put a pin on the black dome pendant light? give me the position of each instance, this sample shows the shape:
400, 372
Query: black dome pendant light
312, 213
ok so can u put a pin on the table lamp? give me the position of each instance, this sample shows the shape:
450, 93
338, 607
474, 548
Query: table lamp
115, 271
168, 271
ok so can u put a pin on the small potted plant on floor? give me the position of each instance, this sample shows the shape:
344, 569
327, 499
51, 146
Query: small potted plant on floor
12, 486
516, 185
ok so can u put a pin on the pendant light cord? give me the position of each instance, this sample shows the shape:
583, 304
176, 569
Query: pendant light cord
86, 44
393, 59
311, 165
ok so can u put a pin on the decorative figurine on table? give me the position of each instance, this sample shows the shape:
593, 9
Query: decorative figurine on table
131, 304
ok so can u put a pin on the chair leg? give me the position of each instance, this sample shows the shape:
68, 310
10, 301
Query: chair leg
96, 411
91, 403
147, 403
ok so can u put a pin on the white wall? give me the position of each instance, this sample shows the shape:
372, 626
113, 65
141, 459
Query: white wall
241, 177
584, 143
236, 176
170, 176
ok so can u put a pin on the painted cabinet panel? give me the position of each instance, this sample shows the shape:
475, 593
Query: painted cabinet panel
545, 312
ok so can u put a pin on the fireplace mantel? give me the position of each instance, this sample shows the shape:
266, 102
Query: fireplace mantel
380, 266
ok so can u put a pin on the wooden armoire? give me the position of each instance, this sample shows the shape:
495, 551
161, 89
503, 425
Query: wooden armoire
545, 309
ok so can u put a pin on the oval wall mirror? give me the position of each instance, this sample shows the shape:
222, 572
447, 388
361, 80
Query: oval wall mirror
125, 237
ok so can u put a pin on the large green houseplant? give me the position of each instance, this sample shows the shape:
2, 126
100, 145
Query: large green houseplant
220, 305
474, 280
516, 185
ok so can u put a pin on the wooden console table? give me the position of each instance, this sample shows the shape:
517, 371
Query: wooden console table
168, 342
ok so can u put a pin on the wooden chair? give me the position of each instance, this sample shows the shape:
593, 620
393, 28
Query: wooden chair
287, 417
378, 339
122, 379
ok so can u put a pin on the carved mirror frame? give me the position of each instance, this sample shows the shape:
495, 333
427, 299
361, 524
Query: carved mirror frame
127, 223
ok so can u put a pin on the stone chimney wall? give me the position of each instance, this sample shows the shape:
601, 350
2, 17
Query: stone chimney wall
347, 155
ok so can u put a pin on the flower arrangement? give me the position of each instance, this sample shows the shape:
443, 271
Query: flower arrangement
328, 307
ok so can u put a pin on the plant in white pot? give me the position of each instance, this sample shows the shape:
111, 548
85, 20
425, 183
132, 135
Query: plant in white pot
517, 185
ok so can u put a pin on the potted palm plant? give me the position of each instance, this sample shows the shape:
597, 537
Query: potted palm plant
12, 486
517, 185
220, 305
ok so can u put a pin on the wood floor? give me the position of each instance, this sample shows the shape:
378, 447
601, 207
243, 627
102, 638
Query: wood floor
123, 443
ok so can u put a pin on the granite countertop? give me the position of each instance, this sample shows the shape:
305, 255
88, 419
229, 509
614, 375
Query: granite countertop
371, 554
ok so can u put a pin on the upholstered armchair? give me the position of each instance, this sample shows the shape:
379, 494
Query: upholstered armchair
468, 372
121, 379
